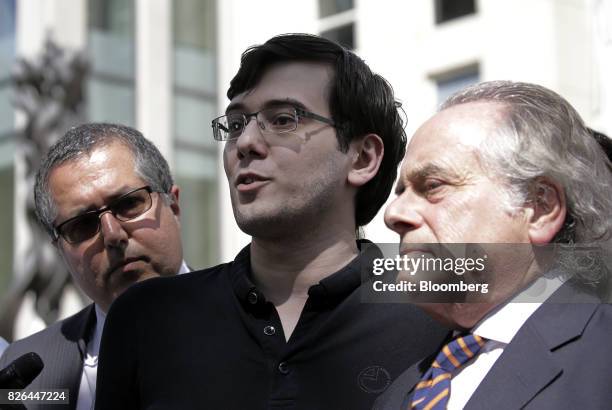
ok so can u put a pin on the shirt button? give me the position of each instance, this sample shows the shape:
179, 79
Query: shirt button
269, 330
252, 297
283, 368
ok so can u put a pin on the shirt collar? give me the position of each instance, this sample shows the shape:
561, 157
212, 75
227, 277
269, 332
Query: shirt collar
502, 323
93, 347
332, 289
184, 268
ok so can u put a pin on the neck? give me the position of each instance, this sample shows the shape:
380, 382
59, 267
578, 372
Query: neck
287, 268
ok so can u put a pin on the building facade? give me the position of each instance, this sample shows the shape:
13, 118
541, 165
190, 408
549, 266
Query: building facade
163, 67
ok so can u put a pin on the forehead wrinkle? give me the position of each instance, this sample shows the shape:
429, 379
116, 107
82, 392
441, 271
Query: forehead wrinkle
430, 169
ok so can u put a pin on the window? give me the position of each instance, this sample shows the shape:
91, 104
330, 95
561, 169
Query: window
342, 35
110, 88
195, 105
7, 140
338, 21
330, 7
446, 10
455, 80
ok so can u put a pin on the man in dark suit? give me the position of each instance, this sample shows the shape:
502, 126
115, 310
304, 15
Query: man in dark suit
510, 163
105, 195
312, 142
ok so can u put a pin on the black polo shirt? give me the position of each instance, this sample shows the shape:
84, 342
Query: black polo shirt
210, 340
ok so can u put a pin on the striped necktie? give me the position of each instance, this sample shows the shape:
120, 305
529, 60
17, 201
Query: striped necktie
433, 390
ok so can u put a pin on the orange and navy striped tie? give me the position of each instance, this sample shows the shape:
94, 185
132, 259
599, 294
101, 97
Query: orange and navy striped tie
433, 390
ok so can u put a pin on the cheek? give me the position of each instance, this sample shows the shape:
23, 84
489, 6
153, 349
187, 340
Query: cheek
84, 267
226, 163
455, 220
73, 259
160, 243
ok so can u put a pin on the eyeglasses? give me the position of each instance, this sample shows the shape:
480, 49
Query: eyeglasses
273, 120
125, 208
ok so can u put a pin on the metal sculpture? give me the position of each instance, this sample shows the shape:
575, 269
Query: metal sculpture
50, 92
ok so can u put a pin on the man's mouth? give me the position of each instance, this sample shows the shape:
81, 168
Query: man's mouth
249, 181
126, 265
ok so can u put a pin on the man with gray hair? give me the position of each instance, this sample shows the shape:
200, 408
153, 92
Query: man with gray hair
511, 164
105, 195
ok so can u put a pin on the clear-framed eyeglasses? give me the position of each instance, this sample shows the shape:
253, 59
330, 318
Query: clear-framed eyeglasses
273, 120
125, 208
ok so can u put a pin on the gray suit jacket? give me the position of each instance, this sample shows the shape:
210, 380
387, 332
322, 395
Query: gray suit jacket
559, 359
62, 347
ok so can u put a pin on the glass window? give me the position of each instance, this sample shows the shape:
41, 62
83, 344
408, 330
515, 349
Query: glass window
344, 35
192, 117
193, 23
110, 101
196, 176
7, 152
7, 141
7, 57
110, 88
195, 105
450, 83
451, 9
329, 7
112, 16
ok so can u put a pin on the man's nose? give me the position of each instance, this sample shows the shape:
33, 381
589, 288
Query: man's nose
113, 232
402, 214
251, 142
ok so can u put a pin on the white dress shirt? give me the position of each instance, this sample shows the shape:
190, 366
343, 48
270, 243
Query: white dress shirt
87, 389
499, 327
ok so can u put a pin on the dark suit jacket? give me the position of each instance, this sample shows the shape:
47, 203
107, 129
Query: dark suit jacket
559, 359
62, 347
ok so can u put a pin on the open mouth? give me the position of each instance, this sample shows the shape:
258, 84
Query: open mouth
250, 181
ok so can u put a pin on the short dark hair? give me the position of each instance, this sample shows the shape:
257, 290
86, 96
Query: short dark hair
360, 102
149, 163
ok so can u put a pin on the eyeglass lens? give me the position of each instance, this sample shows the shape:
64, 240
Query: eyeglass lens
275, 120
124, 208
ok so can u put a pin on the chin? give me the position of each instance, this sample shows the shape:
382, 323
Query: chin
258, 224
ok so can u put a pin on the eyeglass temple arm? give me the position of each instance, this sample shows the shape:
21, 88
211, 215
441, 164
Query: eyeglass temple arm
217, 124
314, 116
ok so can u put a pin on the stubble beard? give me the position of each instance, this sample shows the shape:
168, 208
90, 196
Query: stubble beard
290, 217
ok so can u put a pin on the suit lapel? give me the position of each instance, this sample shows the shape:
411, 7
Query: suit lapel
72, 354
525, 367
528, 363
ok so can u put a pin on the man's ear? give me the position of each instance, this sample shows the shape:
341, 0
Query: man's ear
547, 200
367, 155
174, 197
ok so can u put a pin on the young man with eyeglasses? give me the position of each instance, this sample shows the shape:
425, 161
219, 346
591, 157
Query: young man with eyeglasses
106, 197
312, 142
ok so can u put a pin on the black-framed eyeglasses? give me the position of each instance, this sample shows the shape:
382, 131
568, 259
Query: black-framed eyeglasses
274, 120
125, 208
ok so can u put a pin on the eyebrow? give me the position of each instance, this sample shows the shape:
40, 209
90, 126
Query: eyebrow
239, 106
107, 201
424, 171
420, 173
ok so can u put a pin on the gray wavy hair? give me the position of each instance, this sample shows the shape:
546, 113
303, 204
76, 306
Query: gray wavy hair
149, 163
542, 135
